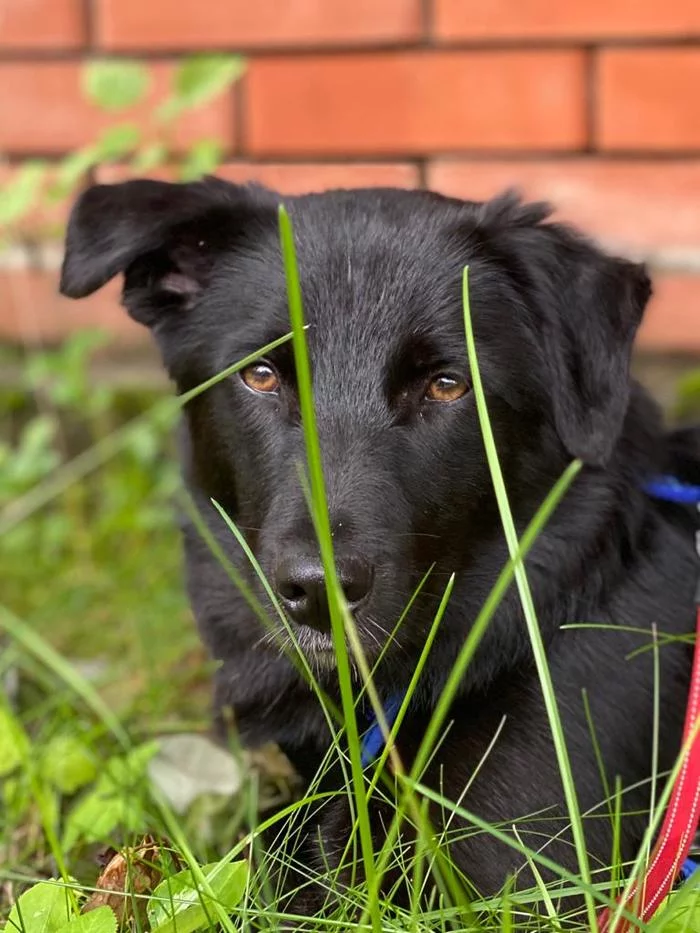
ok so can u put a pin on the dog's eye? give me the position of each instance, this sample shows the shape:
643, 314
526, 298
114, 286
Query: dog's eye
445, 388
261, 377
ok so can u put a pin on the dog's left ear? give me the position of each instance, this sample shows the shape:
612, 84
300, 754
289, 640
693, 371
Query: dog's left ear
590, 305
164, 237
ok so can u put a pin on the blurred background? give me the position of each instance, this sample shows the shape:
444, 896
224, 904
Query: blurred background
593, 105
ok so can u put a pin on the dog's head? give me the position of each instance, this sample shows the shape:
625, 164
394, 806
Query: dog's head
406, 477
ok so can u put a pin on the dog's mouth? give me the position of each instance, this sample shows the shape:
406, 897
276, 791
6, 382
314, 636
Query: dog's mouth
317, 648
320, 652
313, 642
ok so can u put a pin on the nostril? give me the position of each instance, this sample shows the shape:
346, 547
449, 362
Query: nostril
356, 578
290, 591
301, 587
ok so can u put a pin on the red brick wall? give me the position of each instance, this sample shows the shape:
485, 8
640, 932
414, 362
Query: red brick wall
593, 104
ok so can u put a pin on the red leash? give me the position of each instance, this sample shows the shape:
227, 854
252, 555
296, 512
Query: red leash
680, 823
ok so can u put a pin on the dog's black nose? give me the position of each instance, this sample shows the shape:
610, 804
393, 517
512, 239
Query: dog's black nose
301, 587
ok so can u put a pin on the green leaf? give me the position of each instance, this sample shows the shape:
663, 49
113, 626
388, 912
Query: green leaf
204, 158
68, 763
34, 455
44, 908
117, 141
98, 814
16, 797
131, 768
19, 196
680, 912
150, 157
201, 77
99, 920
177, 906
115, 85
71, 171
114, 802
38, 435
13, 743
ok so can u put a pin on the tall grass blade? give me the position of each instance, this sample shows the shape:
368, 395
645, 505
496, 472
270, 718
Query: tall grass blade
534, 633
321, 518
51, 659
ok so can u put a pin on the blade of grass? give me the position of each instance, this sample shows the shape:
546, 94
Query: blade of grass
470, 646
255, 564
330, 711
391, 734
323, 531
541, 886
655, 738
533, 628
537, 857
425, 831
51, 659
297, 657
393, 634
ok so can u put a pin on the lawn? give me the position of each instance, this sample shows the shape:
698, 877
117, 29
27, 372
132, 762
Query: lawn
101, 667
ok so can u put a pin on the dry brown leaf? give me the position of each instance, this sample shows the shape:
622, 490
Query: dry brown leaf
133, 871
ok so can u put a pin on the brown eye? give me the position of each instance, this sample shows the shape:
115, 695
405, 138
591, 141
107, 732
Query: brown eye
261, 377
444, 388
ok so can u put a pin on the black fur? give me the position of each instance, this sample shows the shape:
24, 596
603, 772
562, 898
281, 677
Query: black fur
407, 481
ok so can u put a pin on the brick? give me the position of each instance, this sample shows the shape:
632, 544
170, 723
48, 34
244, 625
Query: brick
648, 99
415, 103
638, 206
32, 311
135, 24
299, 179
553, 19
41, 24
672, 321
295, 178
44, 109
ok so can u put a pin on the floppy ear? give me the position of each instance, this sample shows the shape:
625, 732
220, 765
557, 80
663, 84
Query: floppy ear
590, 328
589, 306
165, 237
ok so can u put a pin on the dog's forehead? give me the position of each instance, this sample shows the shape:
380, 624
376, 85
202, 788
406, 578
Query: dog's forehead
377, 269
388, 260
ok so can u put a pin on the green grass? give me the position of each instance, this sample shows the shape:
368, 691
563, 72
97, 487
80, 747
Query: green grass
91, 570
526, 600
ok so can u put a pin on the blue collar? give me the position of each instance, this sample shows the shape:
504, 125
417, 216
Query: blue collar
670, 489
373, 740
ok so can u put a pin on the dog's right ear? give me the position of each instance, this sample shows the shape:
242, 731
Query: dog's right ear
164, 236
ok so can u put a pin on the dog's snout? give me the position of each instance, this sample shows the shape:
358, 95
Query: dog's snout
301, 587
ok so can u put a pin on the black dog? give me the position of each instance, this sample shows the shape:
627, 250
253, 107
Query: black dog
408, 484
